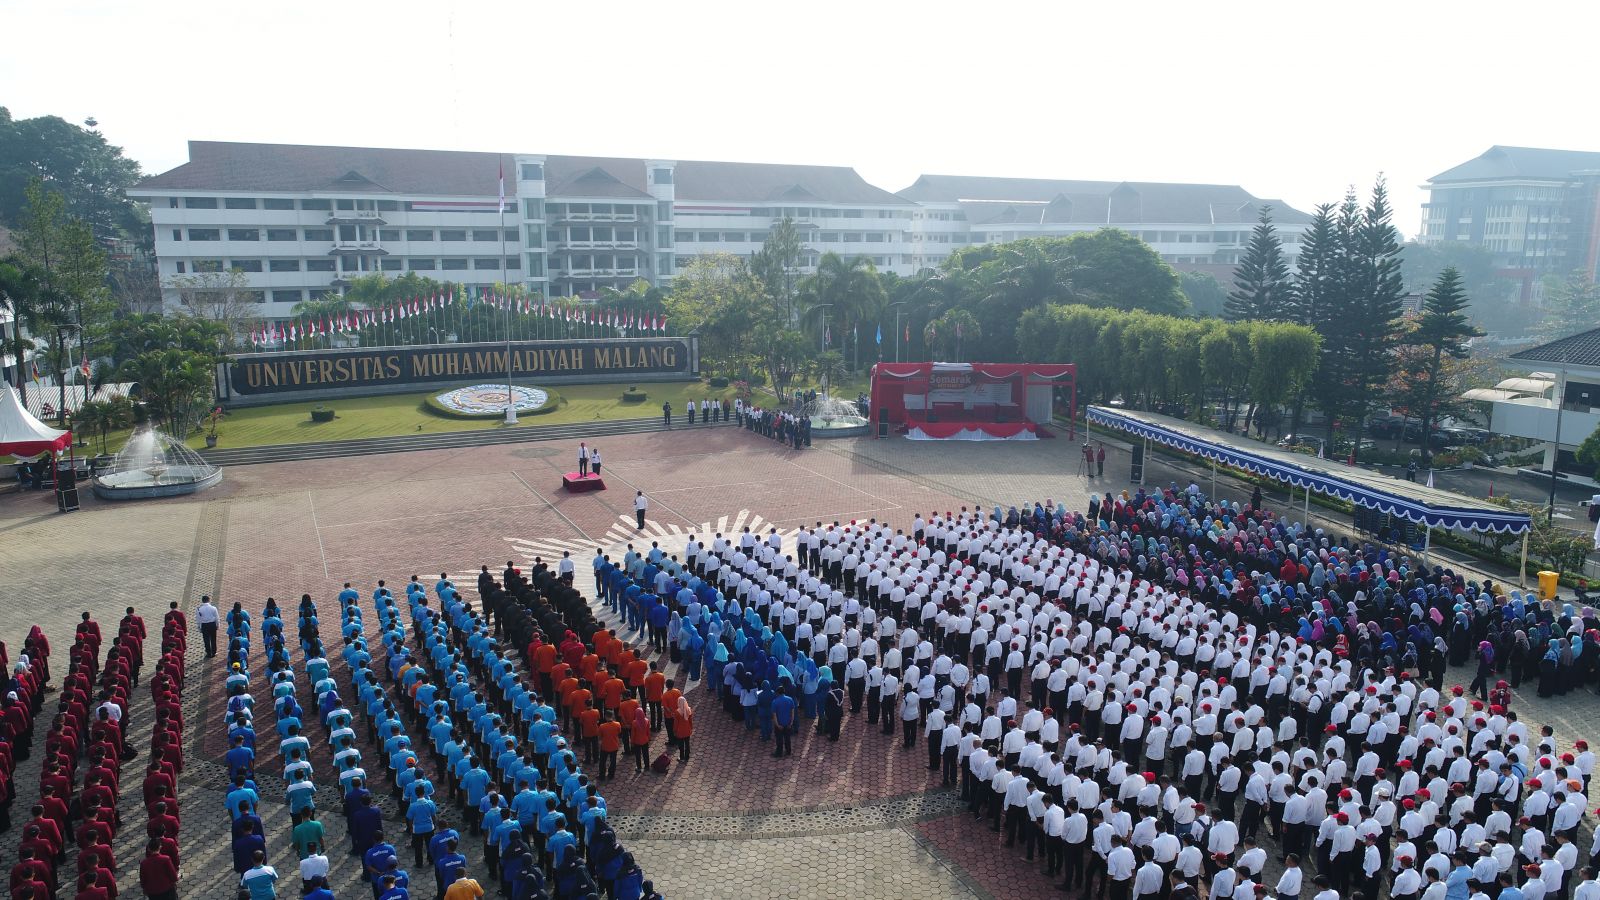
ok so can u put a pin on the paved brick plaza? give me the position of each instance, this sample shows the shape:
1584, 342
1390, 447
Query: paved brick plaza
857, 818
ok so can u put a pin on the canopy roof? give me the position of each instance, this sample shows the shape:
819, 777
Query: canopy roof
23, 435
1430, 506
992, 371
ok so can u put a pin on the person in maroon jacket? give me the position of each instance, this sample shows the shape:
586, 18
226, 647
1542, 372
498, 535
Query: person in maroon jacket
30, 868
158, 876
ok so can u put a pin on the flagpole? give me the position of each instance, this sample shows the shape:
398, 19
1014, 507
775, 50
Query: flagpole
511, 399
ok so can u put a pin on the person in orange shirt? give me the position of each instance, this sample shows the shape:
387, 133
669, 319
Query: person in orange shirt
564, 691
683, 727
639, 739
669, 706
577, 699
544, 660
625, 711
634, 670
655, 686
589, 731
602, 641
610, 744
611, 692
588, 665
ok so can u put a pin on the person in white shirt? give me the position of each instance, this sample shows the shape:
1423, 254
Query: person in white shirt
641, 504
1289, 882
1120, 863
206, 614
315, 865
1149, 879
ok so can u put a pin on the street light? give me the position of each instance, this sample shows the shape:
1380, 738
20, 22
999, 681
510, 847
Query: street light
897, 328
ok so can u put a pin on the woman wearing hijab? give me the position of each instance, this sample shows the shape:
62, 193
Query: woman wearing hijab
1480, 681
683, 727
1549, 669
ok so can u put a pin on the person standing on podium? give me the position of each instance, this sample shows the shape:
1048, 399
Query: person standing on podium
583, 459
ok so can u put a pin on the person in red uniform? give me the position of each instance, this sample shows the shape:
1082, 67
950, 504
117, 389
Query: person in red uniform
158, 875
31, 869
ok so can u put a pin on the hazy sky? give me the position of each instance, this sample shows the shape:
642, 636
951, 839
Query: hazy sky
1287, 100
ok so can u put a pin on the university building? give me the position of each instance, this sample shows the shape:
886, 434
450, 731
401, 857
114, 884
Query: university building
1537, 211
301, 221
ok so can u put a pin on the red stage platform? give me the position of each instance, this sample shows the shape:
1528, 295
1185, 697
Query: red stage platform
971, 401
578, 484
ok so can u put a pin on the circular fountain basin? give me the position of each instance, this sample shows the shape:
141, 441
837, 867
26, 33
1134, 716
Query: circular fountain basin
144, 484
840, 426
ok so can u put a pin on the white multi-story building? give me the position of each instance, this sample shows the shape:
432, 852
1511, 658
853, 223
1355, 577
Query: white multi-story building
1195, 227
301, 221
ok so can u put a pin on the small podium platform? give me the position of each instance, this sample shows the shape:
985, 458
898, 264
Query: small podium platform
574, 483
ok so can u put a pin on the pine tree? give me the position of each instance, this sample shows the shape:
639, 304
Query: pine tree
1442, 333
1261, 279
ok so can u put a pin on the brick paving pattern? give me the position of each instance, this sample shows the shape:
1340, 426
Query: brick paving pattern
857, 818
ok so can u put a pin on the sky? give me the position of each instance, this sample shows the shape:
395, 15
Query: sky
1293, 101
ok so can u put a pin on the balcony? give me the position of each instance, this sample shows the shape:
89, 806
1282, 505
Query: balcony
356, 217
594, 217
597, 245
347, 248
594, 273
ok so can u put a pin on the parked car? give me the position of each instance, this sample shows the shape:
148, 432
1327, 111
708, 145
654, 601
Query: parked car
1468, 435
1387, 427
1301, 443
1366, 445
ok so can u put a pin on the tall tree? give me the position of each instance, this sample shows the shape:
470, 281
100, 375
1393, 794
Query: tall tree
91, 175
845, 292
1441, 334
1118, 270
22, 291
1571, 305
1261, 279
222, 297
1375, 300
777, 263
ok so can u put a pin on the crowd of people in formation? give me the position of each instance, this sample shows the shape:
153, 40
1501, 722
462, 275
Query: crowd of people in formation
783, 426
1147, 695
709, 411
456, 728
90, 727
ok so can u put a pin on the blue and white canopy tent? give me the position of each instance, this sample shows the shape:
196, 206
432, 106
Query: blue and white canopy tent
1424, 505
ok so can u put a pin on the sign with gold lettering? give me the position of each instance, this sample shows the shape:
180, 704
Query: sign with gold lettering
385, 367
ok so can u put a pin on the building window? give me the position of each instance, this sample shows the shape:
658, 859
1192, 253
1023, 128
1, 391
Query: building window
664, 210
244, 234
239, 203
315, 294
852, 237
319, 234
535, 266
513, 262
533, 209
180, 267
453, 265
419, 234
350, 264
712, 237
664, 236
284, 265
316, 205
245, 265
177, 234
482, 234
208, 265
172, 202
200, 202
281, 234
277, 203
254, 296
286, 296
420, 265
532, 171
661, 176
452, 235
319, 265
875, 237
205, 234
829, 237
483, 264
536, 236
346, 204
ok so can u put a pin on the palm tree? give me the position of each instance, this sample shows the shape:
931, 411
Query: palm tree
20, 289
951, 330
849, 289
1023, 276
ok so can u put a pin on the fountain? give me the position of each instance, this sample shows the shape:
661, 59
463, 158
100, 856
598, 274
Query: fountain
151, 465
832, 417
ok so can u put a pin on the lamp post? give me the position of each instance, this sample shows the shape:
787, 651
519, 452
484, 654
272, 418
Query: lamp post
1557, 396
893, 306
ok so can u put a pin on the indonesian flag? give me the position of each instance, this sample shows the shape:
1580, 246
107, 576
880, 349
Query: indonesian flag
661, 323
414, 309
294, 331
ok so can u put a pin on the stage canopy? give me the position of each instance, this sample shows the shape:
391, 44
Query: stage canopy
969, 401
22, 435
1414, 502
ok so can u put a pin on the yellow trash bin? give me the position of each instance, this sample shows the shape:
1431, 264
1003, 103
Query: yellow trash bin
1548, 583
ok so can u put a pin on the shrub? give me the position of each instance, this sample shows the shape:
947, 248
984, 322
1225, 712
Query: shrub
321, 414
634, 395
718, 381
432, 405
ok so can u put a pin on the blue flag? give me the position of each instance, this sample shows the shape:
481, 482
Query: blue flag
880, 334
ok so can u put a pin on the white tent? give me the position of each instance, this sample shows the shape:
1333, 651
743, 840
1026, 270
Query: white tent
22, 435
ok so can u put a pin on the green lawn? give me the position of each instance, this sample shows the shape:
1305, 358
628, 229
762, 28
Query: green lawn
395, 414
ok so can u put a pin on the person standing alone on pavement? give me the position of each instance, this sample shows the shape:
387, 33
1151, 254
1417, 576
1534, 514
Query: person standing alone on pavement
207, 616
640, 504
666, 413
